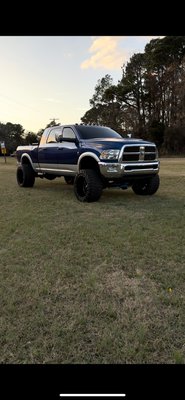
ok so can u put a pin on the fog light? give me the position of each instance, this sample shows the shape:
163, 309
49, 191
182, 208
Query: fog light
112, 169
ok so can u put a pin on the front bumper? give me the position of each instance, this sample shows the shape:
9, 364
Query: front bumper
120, 170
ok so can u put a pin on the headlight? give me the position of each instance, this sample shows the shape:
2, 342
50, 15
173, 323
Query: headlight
110, 154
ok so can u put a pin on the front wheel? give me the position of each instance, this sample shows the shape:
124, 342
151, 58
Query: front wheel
88, 185
146, 186
25, 175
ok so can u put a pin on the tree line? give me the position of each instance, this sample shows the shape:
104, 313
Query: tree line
149, 99
15, 135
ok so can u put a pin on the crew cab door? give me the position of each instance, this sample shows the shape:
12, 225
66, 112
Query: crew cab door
67, 151
58, 152
48, 151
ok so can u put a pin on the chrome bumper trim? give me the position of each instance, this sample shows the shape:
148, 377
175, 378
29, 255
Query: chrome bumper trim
120, 170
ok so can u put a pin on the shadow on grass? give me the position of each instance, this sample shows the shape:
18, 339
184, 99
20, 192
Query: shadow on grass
114, 197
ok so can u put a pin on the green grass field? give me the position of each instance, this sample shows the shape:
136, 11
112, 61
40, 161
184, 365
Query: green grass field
96, 282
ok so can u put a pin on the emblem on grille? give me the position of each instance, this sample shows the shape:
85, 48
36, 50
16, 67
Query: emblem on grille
141, 153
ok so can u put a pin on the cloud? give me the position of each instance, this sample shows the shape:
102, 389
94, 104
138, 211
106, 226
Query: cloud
106, 53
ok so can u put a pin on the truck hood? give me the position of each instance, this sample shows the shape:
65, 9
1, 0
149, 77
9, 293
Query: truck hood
104, 144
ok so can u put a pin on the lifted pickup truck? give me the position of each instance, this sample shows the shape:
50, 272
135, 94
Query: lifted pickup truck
92, 158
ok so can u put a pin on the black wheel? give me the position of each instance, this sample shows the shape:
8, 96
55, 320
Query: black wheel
88, 185
25, 175
69, 179
147, 186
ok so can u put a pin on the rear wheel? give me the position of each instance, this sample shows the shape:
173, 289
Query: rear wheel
87, 185
146, 186
69, 179
25, 175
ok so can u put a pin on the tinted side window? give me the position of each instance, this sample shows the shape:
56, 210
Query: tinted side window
68, 133
53, 135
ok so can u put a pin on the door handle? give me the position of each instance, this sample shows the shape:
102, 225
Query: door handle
60, 148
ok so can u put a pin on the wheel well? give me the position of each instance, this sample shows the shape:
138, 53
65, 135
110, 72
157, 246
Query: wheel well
89, 163
25, 160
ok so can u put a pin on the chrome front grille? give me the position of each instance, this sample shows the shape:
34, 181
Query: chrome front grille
133, 153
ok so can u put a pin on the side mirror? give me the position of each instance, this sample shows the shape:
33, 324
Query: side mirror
59, 138
68, 139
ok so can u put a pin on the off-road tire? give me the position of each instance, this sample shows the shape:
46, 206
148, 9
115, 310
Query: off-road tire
25, 175
87, 185
146, 186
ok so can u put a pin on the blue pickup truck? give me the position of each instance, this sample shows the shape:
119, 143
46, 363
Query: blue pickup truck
91, 157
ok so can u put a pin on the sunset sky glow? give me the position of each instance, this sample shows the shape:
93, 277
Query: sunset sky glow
45, 77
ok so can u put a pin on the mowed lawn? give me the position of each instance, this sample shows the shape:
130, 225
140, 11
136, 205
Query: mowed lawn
96, 282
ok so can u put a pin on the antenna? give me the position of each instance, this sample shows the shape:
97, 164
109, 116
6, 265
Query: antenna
53, 119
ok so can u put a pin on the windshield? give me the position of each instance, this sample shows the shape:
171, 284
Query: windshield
98, 132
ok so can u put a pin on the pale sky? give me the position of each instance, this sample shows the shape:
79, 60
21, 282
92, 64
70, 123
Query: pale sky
46, 77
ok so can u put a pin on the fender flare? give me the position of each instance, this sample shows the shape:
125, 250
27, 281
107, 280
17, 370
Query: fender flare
29, 158
87, 154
